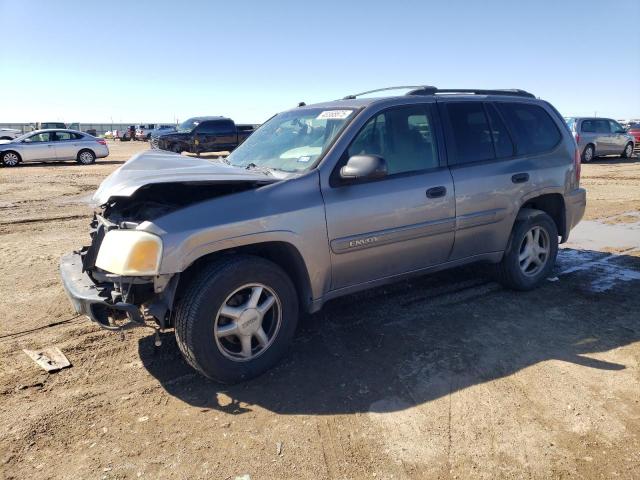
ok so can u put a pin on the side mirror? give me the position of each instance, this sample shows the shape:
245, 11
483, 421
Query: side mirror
364, 167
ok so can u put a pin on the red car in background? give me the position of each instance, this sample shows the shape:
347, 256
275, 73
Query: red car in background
634, 129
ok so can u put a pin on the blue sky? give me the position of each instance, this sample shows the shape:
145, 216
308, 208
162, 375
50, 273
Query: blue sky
144, 61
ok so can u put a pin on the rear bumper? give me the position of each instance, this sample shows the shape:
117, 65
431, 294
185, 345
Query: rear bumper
91, 300
575, 204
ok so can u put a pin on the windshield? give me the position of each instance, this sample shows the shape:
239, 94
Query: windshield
291, 141
188, 125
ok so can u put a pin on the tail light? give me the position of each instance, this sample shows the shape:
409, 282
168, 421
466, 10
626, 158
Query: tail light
102, 141
577, 164
577, 138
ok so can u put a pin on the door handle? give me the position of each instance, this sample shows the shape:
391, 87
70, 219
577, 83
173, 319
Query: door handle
520, 178
436, 192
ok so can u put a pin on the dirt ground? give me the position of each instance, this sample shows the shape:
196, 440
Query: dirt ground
446, 376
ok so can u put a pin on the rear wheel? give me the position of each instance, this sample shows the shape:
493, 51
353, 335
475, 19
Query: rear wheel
628, 150
588, 153
236, 318
86, 157
531, 252
176, 148
10, 159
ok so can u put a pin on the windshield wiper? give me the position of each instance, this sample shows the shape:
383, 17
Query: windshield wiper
265, 170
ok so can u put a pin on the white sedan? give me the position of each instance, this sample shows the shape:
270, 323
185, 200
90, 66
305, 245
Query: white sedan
53, 145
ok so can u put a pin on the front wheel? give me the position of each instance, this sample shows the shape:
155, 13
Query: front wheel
236, 318
628, 150
531, 252
10, 159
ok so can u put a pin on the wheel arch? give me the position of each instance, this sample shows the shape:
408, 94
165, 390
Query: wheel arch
282, 253
553, 205
12, 151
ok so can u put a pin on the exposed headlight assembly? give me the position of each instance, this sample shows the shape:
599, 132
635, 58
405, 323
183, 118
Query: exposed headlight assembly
130, 253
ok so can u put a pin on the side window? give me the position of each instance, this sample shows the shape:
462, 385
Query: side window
588, 126
602, 126
402, 136
471, 132
615, 126
501, 139
216, 128
534, 130
39, 138
63, 136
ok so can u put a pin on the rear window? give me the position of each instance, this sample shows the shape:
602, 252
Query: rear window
534, 131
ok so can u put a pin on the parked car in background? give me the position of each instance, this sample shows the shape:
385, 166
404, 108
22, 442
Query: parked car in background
204, 134
597, 136
128, 134
9, 133
634, 130
53, 145
322, 201
143, 132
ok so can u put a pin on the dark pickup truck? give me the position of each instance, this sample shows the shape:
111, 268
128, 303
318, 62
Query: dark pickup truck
203, 134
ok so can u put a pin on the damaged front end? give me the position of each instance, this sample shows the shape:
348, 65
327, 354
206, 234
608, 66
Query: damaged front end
116, 281
127, 300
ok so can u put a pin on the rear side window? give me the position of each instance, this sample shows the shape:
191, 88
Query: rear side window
471, 132
501, 139
533, 129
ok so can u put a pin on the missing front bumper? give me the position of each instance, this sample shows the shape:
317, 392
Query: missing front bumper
95, 301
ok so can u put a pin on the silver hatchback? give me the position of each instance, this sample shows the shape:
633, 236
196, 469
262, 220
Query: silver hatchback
600, 136
53, 145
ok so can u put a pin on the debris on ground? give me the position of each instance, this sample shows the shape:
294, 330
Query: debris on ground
51, 358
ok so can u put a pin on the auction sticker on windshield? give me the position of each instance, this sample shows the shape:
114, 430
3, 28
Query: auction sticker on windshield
334, 115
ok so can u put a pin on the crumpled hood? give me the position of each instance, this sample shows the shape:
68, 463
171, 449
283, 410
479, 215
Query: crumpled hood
155, 166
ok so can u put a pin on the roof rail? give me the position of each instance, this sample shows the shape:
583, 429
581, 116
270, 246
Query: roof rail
511, 92
430, 90
415, 87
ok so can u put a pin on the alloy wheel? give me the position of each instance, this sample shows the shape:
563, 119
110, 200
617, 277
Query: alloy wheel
10, 159
588, 154
248, 322
534, 251
628, 150
86, 158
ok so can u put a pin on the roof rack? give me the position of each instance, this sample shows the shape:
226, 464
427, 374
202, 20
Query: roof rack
507, 91
415, 87
430, 90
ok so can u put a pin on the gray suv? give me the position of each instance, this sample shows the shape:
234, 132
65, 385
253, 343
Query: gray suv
322, 201
600, 136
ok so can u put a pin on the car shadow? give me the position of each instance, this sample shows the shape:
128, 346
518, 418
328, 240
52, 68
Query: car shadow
615, 159
416, 341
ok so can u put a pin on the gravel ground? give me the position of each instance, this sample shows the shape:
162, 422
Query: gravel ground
445, 376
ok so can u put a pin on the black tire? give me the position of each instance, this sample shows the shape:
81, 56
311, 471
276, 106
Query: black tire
176, 148
197, 309
86, 157
509, 271
586, 157
10, 159
628, 150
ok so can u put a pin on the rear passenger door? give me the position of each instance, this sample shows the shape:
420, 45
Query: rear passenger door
497, 152
66, 145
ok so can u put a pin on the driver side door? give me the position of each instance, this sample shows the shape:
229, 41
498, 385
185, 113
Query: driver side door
397, 224
39, 146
